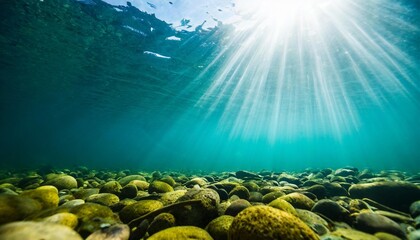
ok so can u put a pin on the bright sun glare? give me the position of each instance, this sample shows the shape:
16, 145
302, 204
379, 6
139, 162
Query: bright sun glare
306, 67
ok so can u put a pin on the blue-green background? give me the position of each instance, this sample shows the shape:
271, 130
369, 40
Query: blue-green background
77, 89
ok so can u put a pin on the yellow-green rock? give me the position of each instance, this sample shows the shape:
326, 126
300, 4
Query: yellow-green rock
37, 230
386, 236
14, 208
218, 228
64, 218
111, 187
161, 222
138, 209
47, 196
62, 182
181, 233
351, 234
268, 223
298, 200
160, 187
106, 199
141, 185
283, 205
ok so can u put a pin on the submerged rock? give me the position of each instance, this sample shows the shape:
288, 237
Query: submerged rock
159, 187
15, 208
47, 196
218, 228
37, 230
398, 195
372, 223
62, 182
267, 223
182, 233
114, 232
139, 209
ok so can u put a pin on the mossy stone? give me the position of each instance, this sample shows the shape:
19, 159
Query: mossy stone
47, 196
268, 223
298, 200
161, 222
37, 230
138, 209
168, 179
14, 208
240, 191
106, 199
283, 205
62, 182
129, 191
127, 179
271, 196
141, 185
181, 233
160, 187
218, 228
352, 234
111, 187
67, 219
85, 193
237, 206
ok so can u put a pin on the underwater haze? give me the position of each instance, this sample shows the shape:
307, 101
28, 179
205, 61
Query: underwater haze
210, 84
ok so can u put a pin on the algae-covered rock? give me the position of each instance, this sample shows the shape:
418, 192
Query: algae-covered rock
37, 230
15, 208
218, 228
138, 209
331, 209
271, 196
92, 217
397, 195
113, 187
129, 191
267, 223
298, 200
181, 233
314, 221
283, 205
114, 232
372, 223
85, 193
67, 219
240, 191
351, 234
172, 197
168, 179
47, 196
237, 206
106, 199
141, 185
198, 214
127, 179
161, 222
62, 182
159, 187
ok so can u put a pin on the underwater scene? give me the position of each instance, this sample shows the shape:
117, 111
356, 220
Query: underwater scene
210, 119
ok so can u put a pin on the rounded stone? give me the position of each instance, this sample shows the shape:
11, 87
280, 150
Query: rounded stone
331, 209
181, 233
111, 187
161, 222
37, 230
129, 191
168, 179
372, 223
159, 187
267, 223
47, 196
415, 209
14, 208
271, 196
62, 182
255, 197
139, 209
67, 219
283, 205
106, 199
113, 232
299, 200
237, 206
385, 193
127, 179
240, 191
218, 228
141, 185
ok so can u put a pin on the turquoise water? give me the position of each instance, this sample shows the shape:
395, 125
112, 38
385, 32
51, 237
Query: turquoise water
214, 86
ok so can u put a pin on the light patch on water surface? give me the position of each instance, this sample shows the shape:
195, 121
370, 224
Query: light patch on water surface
308, 67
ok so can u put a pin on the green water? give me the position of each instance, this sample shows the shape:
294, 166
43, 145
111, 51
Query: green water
80, 86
